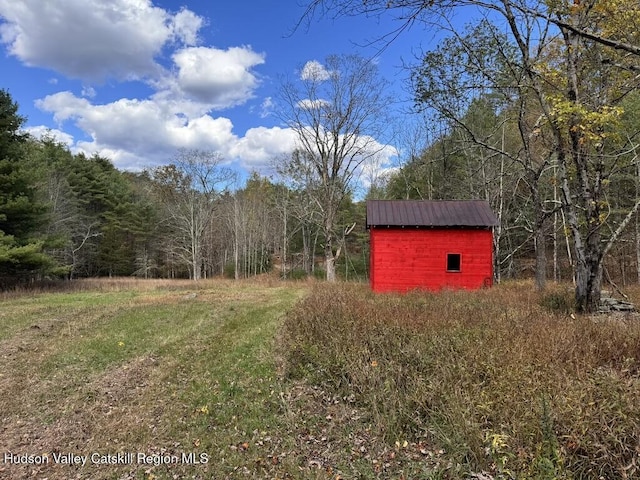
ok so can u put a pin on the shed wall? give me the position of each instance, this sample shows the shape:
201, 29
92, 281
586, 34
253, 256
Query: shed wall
406, 259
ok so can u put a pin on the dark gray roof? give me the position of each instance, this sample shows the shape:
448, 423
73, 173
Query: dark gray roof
430, 213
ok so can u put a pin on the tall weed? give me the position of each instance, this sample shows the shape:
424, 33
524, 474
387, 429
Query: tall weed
495, 378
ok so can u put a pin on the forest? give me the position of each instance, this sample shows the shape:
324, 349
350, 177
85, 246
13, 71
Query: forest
535, 110
65, 215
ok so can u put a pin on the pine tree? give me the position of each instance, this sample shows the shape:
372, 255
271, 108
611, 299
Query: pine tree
21, 215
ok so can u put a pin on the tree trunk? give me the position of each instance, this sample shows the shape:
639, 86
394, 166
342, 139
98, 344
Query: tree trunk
307, 258
330, 260
497, 231
637, 221
329, 256
638, 248
588, 282
236, 241
195, 260
541, 259
588, 261
284, 243
541, 244
330, 264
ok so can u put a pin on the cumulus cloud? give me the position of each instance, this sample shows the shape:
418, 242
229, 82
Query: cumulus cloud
378, 167
59, 136
88, 92
266, 108
314, 71
93, 39
143, 127
184, 82
261, 145
185, 26
220, 78
137, 133
371, 160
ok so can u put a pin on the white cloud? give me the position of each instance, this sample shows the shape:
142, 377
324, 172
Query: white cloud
147, 129
98, 40
379, 167
135, 133
42, 132
93, 39
370, 160
89, 92
308, 104
185, 25
63, 105
266, 108
314, 71
220, 78
259, 146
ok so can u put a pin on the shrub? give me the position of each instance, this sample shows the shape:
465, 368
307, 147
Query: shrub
558, 300
229, 270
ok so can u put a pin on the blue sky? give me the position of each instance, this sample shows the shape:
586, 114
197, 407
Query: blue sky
135, 80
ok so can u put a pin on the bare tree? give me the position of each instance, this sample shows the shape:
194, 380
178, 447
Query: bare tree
337, 110
188, 189
300, 188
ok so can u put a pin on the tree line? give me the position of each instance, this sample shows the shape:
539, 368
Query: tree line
66, 215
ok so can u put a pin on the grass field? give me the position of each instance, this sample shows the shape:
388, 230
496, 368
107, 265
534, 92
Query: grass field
273, 380
160, 369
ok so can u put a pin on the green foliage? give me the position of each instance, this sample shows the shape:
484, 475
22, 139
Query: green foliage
11, 138
19, 261
229, 270
21, 214
549, 462
319, 273
99, 219
62, 213
297, 274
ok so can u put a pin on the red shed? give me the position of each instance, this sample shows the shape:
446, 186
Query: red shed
430, 244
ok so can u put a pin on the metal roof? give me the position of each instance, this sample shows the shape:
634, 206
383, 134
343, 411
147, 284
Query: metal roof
430, 213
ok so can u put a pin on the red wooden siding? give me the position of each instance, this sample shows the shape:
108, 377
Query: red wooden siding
405, 259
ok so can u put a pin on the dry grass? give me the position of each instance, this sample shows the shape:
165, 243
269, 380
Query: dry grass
356, 385
159, 368
494, 378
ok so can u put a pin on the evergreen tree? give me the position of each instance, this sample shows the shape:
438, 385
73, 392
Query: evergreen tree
21, 214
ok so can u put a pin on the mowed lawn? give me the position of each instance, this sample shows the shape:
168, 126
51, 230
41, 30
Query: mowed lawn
132, 379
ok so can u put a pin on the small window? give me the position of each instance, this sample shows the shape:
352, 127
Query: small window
453, 262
